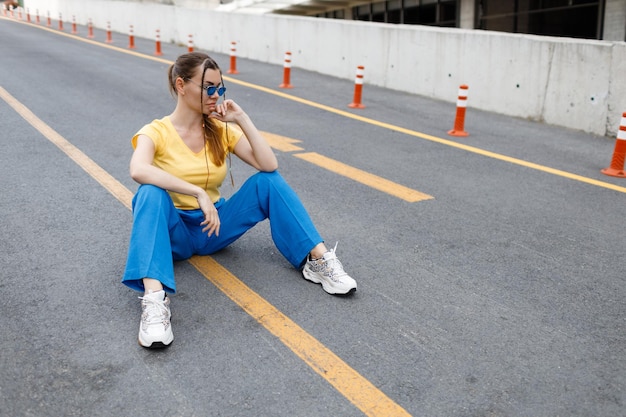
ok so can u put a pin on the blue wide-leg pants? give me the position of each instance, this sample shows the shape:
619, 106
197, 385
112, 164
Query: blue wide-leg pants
162, 234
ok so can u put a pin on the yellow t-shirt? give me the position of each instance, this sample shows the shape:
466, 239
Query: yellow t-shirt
174, 156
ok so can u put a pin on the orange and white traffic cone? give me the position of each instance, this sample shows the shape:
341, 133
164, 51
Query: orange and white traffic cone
233, 58
74, 30
131, 38
358, 89
190, 43
459, 121
109, 37
616, 169
287, 72
157, 50
90, 29
60, 22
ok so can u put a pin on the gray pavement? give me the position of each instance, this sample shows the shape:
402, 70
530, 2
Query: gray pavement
502, 296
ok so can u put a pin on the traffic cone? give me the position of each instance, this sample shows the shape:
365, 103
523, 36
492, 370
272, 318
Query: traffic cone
459, 121
358, 88
233, 58
616, 169
109, 37
287, 72
131, 38
190, 43
157, 50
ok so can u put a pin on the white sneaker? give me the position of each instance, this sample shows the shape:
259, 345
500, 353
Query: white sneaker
155, 330
329, 272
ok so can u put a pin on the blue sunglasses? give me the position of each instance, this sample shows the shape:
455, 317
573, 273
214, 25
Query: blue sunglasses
211, 89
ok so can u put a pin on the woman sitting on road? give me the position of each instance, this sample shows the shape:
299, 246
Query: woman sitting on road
180, 162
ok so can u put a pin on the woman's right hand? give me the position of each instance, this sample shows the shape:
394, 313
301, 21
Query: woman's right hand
211, 221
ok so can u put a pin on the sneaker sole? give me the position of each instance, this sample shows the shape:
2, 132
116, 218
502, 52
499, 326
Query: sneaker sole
325, 287
155, 345
345, 294
159, 344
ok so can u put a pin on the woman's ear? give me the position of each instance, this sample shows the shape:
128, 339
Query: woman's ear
180, 85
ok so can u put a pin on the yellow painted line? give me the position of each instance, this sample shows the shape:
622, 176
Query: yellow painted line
365, 396
286, 144
104, 178
436, 139
383, 125
364, 177
91, 41
362, 393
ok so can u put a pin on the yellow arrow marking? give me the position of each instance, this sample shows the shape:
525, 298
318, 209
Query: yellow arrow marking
285, 144
282, 143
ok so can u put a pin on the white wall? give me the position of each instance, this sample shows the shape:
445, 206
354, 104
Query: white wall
578, 84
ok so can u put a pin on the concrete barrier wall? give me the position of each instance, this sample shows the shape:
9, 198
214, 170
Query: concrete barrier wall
579, 84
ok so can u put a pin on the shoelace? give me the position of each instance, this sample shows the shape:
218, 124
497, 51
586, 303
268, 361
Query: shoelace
155, 311
334, 265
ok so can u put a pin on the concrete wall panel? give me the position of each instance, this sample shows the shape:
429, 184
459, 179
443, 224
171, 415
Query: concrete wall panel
578, 85
617, 88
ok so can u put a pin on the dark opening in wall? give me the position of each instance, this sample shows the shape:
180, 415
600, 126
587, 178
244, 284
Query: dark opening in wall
412, 12
571, 18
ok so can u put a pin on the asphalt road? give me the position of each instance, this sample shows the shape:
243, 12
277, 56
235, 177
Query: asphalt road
503, 295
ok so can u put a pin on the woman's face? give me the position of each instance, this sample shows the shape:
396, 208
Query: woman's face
196, 89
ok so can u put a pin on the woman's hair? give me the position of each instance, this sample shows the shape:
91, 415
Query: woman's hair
185, 67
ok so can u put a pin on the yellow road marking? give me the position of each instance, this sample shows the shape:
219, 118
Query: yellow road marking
362, 393
341, 376
92, 42
282, 143
369, 399
436, 139
383, 125
104, 178
364, 177
286, 144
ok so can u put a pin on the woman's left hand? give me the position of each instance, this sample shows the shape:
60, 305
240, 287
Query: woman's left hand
227, 111
211, 223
